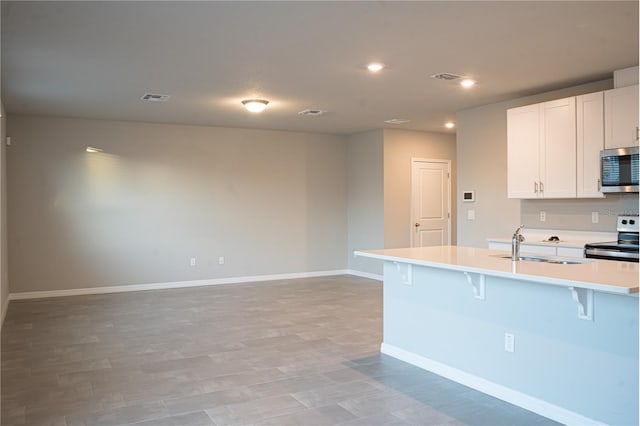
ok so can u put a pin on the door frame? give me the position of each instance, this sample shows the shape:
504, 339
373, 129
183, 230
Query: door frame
414, 161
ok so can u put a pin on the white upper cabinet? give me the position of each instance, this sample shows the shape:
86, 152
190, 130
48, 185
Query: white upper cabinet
621, 117
558, 141
523, 151
541, 150
553, 148
590, 141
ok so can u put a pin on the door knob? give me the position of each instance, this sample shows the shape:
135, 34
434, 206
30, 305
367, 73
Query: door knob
417, 225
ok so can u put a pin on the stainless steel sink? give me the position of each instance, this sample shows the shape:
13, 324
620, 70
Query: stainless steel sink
556, 260
561, 261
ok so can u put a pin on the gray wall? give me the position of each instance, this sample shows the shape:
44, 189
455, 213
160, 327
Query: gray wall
366, 198
481, 141
379, 170
4, 264
400, 146
269, 202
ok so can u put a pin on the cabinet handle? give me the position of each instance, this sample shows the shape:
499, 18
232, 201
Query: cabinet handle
541, 188
535, 187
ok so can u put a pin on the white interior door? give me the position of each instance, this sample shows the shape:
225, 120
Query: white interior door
430, 202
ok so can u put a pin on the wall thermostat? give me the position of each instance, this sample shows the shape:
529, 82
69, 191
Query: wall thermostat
468, 196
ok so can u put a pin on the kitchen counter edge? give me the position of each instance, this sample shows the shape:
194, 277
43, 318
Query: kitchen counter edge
428, 256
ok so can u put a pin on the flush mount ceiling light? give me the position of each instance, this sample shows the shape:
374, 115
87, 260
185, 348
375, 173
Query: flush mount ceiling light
375, 66
92, 149
255, 105
467, 82
449, 124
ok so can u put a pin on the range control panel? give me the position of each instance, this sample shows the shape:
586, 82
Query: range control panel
628, 224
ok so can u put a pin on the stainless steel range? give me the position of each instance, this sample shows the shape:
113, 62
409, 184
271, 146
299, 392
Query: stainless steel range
625, 249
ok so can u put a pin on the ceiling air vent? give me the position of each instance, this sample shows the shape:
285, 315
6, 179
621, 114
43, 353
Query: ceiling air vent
446, 76
154, 97
312, 112
397, 121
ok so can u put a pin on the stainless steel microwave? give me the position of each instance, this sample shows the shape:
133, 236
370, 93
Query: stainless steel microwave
619, 170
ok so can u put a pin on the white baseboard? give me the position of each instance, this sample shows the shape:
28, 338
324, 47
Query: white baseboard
504, 393
365, 275
168, 285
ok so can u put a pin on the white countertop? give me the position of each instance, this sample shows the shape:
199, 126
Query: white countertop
601, 275
569, 239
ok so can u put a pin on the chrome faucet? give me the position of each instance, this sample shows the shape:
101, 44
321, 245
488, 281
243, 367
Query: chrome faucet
515, 243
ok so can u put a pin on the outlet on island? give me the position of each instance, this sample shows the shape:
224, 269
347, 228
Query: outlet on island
509, 342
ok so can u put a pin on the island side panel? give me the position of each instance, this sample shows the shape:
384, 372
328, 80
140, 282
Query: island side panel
587, 367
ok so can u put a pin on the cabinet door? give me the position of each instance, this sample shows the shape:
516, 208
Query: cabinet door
523, 135
536, 249
570, 252
494, 245
621, 117
558, 143
590, 141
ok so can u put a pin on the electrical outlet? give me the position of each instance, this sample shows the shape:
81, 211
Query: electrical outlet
543, 216
595, 217
221, 260
192, 261
509, 342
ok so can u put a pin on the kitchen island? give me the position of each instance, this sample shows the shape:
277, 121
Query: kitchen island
558, 339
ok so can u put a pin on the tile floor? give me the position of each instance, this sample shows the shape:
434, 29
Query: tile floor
295, 352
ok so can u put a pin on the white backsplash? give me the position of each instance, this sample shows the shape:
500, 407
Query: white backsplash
577, 214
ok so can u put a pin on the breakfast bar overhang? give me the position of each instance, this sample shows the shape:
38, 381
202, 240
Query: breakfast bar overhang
558, 339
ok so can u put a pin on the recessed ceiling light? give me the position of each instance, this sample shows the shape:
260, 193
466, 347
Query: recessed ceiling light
467, 82
449, 124
397, 121
255, 105
375, 66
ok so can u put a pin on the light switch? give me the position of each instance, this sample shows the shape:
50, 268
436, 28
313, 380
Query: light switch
471, 214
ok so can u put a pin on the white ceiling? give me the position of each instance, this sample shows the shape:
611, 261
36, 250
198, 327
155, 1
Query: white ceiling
96, 59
